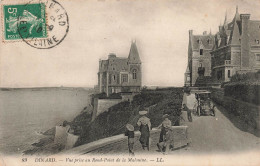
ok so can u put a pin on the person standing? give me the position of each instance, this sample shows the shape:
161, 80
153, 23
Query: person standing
145, 128
166, 122
130, 133
185, 108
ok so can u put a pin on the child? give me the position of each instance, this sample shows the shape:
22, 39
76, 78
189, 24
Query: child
130, 133
164, 146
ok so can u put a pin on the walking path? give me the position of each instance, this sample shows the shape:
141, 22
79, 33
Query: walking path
208, 135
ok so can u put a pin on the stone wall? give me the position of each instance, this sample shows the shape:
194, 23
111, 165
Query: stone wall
102, 105
64, 138
180, 139
247, 112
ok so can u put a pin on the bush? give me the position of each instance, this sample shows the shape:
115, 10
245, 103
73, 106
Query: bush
246, 77
248, 92
244, 87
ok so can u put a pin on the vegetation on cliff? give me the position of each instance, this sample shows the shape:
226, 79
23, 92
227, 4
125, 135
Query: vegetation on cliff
112, 122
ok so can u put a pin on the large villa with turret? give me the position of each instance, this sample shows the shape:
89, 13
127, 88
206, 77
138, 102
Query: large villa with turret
235, 48
120, 74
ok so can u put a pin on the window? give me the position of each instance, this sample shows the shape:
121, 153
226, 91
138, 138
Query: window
229, 74
109, 78
124, 78
118, 78
134, 74
257, 57
114, 77
209, 41
219, 75
201, 51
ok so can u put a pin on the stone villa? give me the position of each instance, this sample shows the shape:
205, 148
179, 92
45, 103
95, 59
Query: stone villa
235, 48
118, 74
199, 57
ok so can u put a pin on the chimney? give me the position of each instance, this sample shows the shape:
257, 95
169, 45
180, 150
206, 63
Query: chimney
220, 28
190, 33
111, 55
245, 19
205, 33
100, 64
245, 46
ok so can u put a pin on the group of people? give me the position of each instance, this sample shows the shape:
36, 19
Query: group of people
165, 140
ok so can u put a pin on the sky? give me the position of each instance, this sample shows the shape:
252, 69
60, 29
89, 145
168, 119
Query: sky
100, 27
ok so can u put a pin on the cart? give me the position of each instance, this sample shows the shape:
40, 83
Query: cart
204, 105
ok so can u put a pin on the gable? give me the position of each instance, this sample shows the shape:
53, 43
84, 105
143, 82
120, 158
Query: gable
202, 41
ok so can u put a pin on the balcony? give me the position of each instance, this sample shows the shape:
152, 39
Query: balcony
201, 71
227, 62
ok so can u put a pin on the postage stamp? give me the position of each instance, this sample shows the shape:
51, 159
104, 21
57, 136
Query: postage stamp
41, 24
30, 19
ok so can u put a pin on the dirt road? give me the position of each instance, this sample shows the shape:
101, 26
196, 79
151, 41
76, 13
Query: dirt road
218, 134
208, 134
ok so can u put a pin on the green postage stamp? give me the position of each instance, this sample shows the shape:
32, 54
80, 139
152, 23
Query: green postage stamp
24, 21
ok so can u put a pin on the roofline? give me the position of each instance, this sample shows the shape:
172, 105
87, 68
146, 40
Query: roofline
220, 48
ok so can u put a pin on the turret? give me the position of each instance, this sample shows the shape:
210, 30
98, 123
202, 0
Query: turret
133, 54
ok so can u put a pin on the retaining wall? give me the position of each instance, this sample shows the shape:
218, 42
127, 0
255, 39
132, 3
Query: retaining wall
102, 105
64, 138
180, 134
247, 112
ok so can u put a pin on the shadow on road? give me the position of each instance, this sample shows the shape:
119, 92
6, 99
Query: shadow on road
237, 122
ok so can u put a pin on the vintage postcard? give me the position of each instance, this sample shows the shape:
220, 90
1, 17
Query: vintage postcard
129, 82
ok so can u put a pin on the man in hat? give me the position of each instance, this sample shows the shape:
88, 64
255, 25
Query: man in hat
130, 133
145, 128
164, 146
166, 122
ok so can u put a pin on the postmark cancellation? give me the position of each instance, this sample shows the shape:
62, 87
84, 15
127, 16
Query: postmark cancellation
39, 23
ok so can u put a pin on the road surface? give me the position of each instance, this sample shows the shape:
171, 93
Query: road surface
208, 135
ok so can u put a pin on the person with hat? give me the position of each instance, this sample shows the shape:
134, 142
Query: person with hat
145, 128
130, 133
164, 146
166, 122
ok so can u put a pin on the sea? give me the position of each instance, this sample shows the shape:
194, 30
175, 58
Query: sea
27, 112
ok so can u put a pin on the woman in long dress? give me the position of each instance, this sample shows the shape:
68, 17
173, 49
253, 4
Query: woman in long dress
145, 128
